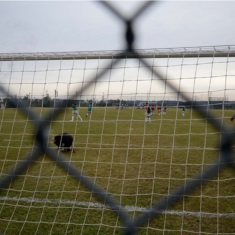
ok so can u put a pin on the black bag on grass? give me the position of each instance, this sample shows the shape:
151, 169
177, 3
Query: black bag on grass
64, 142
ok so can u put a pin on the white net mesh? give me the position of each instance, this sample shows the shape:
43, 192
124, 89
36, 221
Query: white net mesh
136, 164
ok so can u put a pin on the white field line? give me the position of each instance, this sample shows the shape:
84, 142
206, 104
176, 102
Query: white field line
127, 208
125, 145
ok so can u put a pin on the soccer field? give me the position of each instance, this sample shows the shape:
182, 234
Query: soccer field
137, 163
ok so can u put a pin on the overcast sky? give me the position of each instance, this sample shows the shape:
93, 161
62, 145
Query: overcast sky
51, 26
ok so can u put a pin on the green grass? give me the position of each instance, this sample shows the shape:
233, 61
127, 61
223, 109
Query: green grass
136, 163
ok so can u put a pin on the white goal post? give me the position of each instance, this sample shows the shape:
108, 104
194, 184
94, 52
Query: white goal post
126, 170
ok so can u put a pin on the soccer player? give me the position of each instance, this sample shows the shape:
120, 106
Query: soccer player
89, 110
145, 106
159, 109
164, 110
183, 111
148, 114
75, 112
152, 109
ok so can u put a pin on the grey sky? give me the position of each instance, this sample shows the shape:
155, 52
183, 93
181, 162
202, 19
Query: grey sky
82, 26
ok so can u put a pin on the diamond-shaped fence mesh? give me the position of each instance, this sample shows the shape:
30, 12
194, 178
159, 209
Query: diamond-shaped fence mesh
41, 126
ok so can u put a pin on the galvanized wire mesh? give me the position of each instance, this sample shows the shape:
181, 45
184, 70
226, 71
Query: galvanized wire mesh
224, 160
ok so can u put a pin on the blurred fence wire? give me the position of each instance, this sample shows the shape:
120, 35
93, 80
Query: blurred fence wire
224, 160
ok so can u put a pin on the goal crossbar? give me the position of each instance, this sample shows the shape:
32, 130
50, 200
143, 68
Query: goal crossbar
220, 51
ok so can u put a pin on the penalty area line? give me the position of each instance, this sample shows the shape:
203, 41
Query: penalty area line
127, 208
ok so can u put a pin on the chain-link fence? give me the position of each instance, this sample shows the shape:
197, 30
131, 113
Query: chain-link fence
224, 160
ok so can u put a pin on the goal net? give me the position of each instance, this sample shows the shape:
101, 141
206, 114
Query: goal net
126, 171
